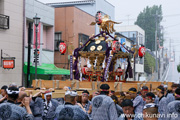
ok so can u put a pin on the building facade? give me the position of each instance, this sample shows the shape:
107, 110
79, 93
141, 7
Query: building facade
72, 25
45, 34
137, 35
71, 28
11, 40
46, 13
89, 6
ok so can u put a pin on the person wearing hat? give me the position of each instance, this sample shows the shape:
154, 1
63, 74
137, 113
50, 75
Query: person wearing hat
128, 111
162, 106
70, 111
11, 111
150, 97
44, 107
103, 107
138, 102
85, 102
174, 106
4, 94
95, 94
150, 112
13, 85
174, 87
144, 91
170, 96
121, 98
118, 108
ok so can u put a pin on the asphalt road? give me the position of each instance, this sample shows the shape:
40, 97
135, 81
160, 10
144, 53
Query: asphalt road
172, 73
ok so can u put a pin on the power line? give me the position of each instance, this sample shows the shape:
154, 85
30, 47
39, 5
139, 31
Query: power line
173, 15
172, 25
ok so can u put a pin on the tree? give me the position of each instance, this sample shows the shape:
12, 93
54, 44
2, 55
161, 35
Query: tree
147, 21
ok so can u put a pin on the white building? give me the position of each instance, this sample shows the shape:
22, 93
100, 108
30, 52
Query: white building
45, 36
11, 40
137, 35
46, 13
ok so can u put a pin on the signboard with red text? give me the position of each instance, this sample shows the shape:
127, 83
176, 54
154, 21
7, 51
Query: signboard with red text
8, 64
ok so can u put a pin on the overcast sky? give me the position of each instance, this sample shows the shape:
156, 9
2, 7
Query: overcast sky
129, 9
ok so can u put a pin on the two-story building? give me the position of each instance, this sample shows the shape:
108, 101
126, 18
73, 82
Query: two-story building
137, 35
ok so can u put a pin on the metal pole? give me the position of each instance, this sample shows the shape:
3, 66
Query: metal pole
170, 50
36, 55
156, 43
159, 65
1, 58
134, 60
29, 54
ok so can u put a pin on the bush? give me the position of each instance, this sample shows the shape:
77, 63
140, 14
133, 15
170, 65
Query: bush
149, 63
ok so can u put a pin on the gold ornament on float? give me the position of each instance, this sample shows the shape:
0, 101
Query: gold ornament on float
92, 48
99, 48
97, 42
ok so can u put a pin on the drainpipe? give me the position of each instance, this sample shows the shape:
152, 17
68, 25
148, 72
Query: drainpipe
23, 35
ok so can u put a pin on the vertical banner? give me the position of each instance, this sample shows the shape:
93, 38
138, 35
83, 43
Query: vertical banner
123, 40
38, 36
39, 41
71, 67
107, 67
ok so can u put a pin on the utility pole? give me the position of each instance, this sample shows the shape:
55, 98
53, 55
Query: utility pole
156, 20
170, 49
134, 58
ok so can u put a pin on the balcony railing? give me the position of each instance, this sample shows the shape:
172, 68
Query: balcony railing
4, 21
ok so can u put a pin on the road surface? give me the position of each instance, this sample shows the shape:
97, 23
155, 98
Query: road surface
172, 73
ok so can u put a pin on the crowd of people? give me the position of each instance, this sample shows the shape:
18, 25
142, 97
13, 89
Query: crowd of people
161, 104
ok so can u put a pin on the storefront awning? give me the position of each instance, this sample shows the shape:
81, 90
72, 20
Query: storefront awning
46, 69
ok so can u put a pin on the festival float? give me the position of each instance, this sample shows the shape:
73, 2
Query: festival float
102, 53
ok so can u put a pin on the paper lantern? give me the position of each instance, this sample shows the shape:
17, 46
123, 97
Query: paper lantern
115, 46
62, 48
142, 52
98, 17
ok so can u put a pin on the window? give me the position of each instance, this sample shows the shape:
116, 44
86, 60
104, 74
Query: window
133, 36
4, 21
125, 34
57, 40
83, 38
141, 39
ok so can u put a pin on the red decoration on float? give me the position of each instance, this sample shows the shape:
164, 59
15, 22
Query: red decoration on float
84, 70
115, 46
119, 70
62, 48
142, 51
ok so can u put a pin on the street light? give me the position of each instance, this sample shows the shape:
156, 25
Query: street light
36, 23
36, 20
